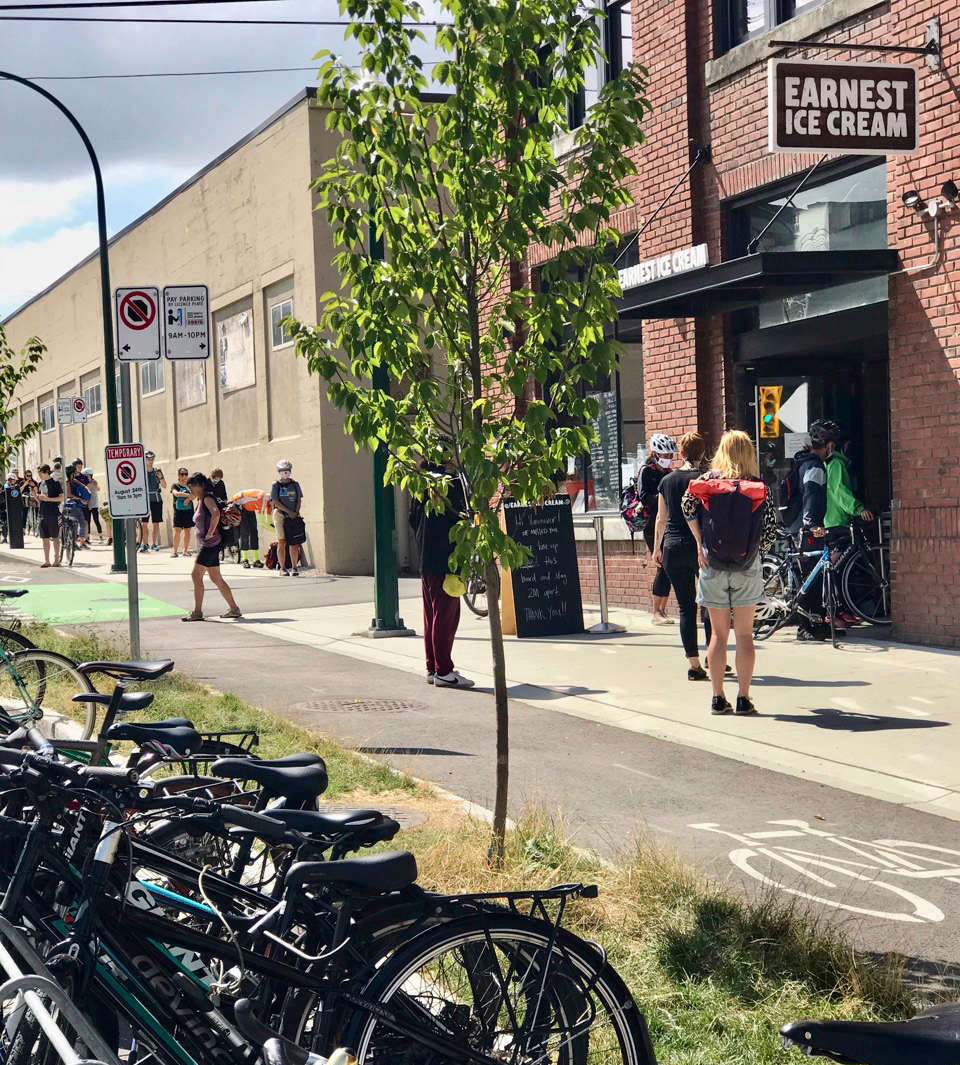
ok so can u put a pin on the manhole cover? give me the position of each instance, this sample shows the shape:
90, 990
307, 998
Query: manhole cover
358, 706
404, 817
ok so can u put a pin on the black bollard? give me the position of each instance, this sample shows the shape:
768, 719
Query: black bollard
15, 518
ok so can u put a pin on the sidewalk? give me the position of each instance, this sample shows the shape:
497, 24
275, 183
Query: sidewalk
867, 718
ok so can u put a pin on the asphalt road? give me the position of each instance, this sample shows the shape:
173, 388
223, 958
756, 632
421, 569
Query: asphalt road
889, 875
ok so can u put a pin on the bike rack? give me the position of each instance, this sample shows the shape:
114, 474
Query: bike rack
28, 986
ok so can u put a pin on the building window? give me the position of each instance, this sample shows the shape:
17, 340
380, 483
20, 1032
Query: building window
91, 396
279, 311
48, 417
739, 20
844, 211
151, 377
618, 36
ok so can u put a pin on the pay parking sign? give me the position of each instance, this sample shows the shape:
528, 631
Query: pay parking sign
186, 321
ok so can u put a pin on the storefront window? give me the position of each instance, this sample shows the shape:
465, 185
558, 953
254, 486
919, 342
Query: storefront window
846, 212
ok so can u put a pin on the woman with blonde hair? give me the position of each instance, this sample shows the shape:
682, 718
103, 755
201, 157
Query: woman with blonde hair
732, 521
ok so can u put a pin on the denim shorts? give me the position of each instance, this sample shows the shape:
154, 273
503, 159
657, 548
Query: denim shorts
723, 589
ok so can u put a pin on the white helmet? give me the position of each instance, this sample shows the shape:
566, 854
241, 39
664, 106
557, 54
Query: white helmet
663, 444
284, 465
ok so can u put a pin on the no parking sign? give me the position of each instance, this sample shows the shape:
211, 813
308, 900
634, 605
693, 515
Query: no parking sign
127, 495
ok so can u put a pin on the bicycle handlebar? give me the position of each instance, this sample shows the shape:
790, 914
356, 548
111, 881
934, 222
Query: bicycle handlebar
267, 828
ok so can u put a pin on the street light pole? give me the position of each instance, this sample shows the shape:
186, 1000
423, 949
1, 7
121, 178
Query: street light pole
386, 592
109, 384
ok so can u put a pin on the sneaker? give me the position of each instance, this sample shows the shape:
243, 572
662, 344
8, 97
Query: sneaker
192, 616
234, 612
745, 705
661, 619
156, 547
285, 573
699, 673
452, 680
846, 618
805, 634
258, 564
143, 549
294, 572
174, 555
431, 677
719, 705
246, 564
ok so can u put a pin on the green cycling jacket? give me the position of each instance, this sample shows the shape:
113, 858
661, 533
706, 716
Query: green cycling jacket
842, 505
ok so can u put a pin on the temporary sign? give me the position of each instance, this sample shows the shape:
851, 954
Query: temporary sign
674, 262
138, 324
847, 108
65, 410
127, 495
79, 408
186, 321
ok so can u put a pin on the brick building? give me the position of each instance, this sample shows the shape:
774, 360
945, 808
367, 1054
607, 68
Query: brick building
849, 306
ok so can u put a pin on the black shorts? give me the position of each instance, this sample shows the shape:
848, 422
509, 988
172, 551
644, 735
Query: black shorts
49, 525
182, 519
208, 556
156, 512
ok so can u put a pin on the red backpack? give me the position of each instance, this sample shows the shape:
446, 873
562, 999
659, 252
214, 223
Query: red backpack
731, 519
271, 560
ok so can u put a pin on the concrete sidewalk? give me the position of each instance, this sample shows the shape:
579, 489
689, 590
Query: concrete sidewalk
867, 718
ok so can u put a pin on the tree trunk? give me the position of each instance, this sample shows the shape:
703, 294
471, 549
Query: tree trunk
498, 841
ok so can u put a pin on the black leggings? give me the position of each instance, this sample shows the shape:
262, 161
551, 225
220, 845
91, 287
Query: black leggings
93, 516
680, 563
249, 534
661, 582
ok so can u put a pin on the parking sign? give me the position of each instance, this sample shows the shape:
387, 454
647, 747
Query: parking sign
127, 495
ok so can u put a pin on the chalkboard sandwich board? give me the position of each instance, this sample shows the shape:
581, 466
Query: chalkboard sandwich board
546, 592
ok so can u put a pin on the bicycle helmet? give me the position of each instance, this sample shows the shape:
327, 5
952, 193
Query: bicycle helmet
284, 465
87, 471
663, 444
822, 433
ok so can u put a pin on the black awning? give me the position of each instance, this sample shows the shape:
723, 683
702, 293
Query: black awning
767, 275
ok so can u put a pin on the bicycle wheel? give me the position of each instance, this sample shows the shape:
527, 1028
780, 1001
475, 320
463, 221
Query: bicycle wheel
68, 542
36, 683
12, 641
475, 596
502, 986
773, 612
865, 584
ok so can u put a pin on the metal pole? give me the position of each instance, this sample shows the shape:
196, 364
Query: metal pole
604, 625
109, 384
386, 592
130, 524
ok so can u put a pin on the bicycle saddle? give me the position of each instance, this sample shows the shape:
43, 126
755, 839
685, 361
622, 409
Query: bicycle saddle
366, 824
930, 1038
377, 874
296, 777
12, 593
164, 736
129, 701
129, 670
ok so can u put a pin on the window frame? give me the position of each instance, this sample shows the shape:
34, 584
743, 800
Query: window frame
282, 302
87, 392
776, 13
613, 43
52, 407
144, 394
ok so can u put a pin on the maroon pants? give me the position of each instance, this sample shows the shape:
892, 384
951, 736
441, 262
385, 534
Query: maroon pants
441, 616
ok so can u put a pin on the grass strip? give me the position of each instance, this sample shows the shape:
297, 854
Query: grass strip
716, 974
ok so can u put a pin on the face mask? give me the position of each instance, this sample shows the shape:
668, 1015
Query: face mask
286, 475
216, 480
664, 463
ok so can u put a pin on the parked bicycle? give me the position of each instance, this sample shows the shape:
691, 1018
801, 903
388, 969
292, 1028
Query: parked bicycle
69, 528
856, 580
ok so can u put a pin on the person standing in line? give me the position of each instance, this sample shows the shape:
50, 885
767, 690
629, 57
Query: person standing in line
441, 611
49, 495
228, 534
252, 501
805, 518
287, 498
658, 465
30, 486
155, 482
92, 510
732, 521
676, 550
182, 513
206, 520
58, 469
77, 501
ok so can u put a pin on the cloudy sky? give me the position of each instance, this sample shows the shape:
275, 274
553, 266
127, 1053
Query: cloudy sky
150, 134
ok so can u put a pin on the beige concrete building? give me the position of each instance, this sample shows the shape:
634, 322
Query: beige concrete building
245, 227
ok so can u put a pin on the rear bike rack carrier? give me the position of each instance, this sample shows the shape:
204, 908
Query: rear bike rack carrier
28, 988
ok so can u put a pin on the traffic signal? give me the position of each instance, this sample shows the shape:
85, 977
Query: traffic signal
769, 397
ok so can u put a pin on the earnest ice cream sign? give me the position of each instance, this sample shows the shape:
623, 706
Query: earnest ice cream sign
849, 108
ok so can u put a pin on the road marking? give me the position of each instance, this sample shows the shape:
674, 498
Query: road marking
638, 772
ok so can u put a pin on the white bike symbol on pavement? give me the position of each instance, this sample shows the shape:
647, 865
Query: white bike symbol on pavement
857, 865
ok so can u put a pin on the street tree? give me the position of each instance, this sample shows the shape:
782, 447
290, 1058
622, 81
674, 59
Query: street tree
14, 370
457, 175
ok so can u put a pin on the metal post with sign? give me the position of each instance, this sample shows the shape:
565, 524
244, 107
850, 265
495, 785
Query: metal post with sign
128, 500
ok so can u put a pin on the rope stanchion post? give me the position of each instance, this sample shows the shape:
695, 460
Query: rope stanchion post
604, 625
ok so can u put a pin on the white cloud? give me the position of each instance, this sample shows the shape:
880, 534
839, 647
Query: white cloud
29, 203
27, 267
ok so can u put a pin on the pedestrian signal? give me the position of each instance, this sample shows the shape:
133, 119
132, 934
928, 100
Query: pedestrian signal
769, 398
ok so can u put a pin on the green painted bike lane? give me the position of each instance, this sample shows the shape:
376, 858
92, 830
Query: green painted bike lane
75, 603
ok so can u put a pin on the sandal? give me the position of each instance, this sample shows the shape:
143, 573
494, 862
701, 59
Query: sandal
44, 565
233, 613
192, 616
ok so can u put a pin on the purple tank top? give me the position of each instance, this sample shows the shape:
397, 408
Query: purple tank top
201, 522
